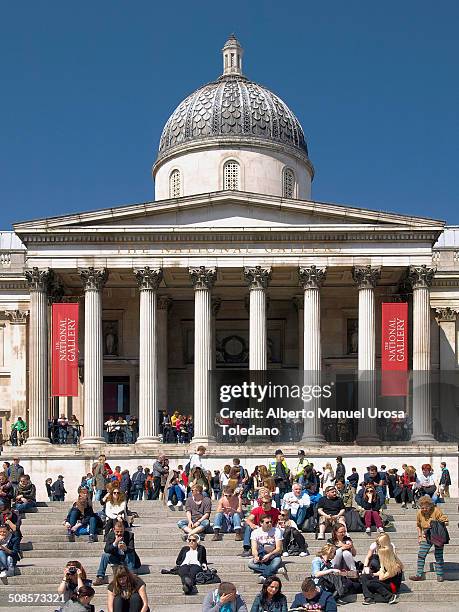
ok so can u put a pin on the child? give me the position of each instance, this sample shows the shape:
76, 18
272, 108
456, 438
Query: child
48, 483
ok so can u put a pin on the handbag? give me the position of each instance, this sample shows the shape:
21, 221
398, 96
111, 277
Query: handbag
208, 576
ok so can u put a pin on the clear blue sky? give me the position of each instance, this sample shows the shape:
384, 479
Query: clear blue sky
86, 88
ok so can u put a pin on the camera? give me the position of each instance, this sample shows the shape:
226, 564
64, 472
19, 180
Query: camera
72, 570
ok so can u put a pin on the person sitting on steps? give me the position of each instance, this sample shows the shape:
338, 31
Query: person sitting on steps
119, 550
228, 515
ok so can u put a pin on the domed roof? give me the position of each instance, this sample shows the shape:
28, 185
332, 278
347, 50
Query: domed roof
232, 109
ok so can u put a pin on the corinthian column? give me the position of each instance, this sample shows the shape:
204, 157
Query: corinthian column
366, 279
93, 282
163, 304
202, 279
311, 280
18, 327
421, 278
148, 280
38, 281
258, 279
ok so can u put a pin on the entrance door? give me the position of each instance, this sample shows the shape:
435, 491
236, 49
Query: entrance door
116, 396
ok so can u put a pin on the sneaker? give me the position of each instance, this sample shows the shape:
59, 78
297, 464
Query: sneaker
341, 602
304, 554
393, 599
368, 530
217, 537
321, 536
91, 539
440, 578
414, 506
171, 506
285, 554
100, 580
404, 506
3, 574
246, 554
418, 578
368, 601
238, 537
261, 580
381, 529
179, 505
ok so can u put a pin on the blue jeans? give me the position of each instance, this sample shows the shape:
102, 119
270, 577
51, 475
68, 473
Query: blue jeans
178, 493
301, 516
128, 559
3, 560
25, 506
266, 569
247, 534
62, 431
90, 528
98, 494
137, 492
219, 522
184, 523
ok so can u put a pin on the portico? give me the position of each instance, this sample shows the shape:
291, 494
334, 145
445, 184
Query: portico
157, 281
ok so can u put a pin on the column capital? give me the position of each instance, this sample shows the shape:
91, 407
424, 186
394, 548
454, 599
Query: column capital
37, 279
366, 277
311, 277
148, 278
216, 305
92, 279
163, 302
17, 317
421, 276
443, 315
257, 277
298, 302
202, 277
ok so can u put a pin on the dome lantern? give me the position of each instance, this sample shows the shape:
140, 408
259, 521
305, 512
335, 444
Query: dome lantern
232, 56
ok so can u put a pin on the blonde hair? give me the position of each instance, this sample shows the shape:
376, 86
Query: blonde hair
270, 484
390, 563
328, 466
327, 549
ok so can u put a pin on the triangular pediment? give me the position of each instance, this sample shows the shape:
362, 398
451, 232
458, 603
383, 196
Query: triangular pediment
229, 210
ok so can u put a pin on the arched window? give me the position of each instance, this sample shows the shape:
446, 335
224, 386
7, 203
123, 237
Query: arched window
288, 183
175, 184
231, 175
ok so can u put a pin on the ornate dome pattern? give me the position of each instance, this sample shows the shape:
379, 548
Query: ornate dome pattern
230, 107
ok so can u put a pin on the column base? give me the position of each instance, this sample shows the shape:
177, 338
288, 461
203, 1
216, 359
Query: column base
37, 441
203, 440
313, 440
423, 437
146, 440
95, 441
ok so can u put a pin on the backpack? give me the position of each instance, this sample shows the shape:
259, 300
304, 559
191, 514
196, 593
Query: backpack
437, 534
353, 520
310, 524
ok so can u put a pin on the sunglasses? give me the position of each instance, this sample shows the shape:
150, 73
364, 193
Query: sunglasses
192, 540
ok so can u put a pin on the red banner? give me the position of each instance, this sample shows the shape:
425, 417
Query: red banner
64, 350
394, 349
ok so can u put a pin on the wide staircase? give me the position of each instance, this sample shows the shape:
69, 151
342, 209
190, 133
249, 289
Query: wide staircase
46, 551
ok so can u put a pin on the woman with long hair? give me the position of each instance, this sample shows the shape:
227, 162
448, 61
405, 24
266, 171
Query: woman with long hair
407, 481
372, 563
115, 508
424, 517
81, 601
197, 476
384, 584
127, 592
225, 476
344, 558
190, 561
74, 578
81, 518
271, 598
328, 476
371, 502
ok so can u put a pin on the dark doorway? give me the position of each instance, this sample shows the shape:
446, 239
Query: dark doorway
116, 396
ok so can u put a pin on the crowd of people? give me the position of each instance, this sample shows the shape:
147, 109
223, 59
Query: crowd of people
268, 510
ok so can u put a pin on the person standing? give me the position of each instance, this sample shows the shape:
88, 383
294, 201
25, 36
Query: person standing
340, 472
159, 468
445, 480
424, 517
16, 471
138, 483
62, 429
281, 474
58, 489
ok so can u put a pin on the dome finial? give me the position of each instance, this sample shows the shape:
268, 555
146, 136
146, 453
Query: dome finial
232, 56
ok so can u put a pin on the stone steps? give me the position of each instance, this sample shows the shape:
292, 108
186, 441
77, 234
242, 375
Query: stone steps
46, 550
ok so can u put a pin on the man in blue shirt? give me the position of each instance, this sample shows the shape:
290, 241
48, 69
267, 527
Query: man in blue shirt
313, 595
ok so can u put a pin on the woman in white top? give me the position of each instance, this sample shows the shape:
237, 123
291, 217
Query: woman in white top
328, 476
425, 483
191, 560
115, 509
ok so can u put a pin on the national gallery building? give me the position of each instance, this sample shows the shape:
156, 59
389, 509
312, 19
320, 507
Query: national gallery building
233, 266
